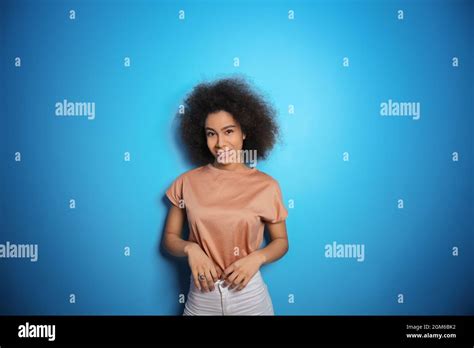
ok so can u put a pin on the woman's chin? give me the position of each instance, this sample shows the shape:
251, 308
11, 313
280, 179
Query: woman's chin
223, 163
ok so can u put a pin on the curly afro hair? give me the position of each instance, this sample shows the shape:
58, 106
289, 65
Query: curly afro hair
233, 95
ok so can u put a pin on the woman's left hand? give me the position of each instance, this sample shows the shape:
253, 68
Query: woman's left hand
241, 271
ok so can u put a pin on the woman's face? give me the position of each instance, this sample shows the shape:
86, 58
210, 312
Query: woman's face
223, 133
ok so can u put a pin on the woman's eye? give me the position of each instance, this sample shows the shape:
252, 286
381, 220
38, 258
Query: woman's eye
210, 134
229, 131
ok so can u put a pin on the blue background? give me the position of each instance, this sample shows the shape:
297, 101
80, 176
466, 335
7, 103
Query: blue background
81, 251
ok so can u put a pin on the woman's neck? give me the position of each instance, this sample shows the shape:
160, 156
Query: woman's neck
230, 167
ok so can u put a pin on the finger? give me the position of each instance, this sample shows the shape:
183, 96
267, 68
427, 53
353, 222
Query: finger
210, 282
220, 274
237, 281
203, 282
229, 275
243, 285
228, 270
230, 279
196, 280
214, 274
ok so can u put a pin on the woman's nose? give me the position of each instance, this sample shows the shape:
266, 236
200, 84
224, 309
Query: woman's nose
220, 143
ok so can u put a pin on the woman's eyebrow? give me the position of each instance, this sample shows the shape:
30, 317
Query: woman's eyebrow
229, 126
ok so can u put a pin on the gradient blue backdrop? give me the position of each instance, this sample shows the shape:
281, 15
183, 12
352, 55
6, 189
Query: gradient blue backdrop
81, 251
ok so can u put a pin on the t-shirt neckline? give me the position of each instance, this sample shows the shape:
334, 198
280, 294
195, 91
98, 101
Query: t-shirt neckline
245, 171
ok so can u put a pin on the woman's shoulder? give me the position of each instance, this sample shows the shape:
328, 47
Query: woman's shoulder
264, 176
191, 172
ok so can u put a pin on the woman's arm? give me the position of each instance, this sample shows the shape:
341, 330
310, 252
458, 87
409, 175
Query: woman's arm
173, 241
241, 271
278, 245
199, 262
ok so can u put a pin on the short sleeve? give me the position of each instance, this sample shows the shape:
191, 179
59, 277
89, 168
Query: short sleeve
273, 209
175, 191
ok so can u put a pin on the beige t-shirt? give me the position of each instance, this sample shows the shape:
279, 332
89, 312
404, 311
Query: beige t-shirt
226, 210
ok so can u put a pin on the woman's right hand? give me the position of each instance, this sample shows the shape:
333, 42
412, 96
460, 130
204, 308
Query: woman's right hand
200, 263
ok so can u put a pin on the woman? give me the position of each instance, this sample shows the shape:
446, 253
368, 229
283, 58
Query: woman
226, 202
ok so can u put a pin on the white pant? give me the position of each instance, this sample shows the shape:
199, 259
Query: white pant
254, 299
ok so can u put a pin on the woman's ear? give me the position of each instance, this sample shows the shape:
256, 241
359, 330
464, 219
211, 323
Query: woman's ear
244, 137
